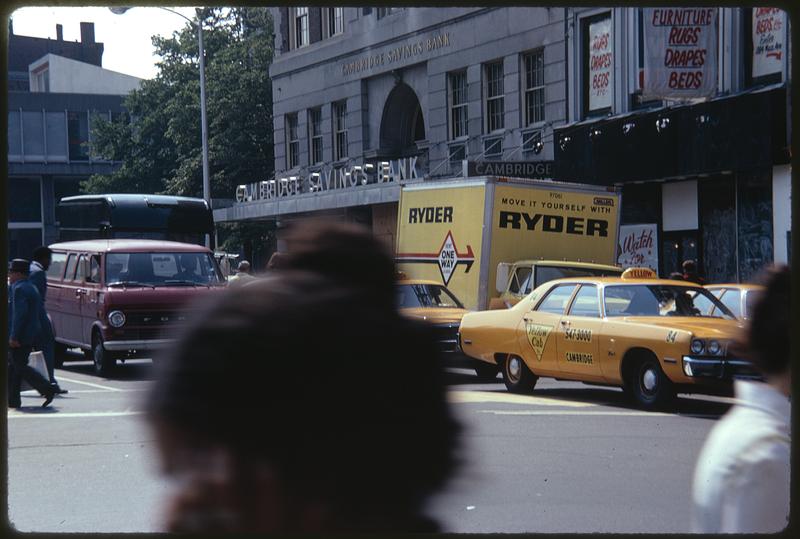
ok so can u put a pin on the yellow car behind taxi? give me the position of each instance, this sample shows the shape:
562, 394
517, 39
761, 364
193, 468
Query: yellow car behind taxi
651, 336
433, 303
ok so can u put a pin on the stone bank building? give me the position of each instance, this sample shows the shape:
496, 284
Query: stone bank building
368, 99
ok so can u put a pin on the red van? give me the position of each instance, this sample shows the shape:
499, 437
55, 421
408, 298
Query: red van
117, 299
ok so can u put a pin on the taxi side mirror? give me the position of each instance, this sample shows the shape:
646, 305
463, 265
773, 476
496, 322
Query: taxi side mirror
501, 280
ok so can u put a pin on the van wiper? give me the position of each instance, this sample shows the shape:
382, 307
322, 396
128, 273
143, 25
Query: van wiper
179, 282
126, 284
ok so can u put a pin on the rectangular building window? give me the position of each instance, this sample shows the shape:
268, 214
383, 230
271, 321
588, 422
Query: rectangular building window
56, 136
494, 96
14, 134
332, 21
33, 134
339, 130
24, 200
458, 104
292, 142
315, 135
299, 28
78, 135
533, 64
384, 11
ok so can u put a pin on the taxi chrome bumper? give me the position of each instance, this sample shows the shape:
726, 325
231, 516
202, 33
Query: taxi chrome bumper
718, 368
141, 345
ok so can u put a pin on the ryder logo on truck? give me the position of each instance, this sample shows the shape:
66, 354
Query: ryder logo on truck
554, 223
447, 258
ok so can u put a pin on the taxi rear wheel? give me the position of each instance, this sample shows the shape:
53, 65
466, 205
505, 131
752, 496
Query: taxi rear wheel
517, 376
648, 385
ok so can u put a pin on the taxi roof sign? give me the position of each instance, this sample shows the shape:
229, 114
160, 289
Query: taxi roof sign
639, 273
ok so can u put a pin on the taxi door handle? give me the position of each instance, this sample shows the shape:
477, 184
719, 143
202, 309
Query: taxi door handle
565, 323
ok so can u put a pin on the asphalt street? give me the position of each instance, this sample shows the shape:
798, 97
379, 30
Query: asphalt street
568, 458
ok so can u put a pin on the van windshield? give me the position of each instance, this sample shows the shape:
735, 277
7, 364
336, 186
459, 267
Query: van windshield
162, 269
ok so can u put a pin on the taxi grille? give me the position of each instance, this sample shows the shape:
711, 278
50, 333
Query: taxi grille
447, 337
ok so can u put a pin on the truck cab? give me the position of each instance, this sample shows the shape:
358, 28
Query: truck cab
516, 280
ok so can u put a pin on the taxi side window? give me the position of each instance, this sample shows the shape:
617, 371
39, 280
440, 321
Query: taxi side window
72, 262
586, 302
556, 301
520, 283
732, 300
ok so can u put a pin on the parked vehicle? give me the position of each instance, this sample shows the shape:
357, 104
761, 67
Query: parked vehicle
739, 298
153, 217
435, 304
651, 336
116, 299
457, 233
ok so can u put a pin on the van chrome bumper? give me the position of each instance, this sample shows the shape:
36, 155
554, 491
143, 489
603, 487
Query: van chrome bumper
144, 345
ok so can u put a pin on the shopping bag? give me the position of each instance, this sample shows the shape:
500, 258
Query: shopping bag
36, 361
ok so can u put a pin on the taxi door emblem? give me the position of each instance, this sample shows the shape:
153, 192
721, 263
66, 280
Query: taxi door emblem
537, 337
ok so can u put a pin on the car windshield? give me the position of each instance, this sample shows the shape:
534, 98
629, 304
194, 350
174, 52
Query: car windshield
425, 295
162, 269
663, 300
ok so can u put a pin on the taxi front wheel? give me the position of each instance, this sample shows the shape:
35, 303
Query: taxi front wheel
517, 376
648, 385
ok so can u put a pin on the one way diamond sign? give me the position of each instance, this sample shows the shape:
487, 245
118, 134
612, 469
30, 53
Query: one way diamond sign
448, 258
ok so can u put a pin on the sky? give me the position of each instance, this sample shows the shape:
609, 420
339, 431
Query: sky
126, 38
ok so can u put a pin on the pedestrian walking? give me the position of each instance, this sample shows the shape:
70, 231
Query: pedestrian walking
276, 414
243, 274
24, 328
40, 262
741, 482
690, 272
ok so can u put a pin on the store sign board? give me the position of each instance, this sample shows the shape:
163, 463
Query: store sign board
769, 40
329, 178
515, 169
638, 246
680, 52
601, 64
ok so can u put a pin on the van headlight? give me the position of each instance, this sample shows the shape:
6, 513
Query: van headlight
714, 348
116, 319
698, 345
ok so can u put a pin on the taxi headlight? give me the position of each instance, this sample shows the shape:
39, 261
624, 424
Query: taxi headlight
116, 319
698, 346
714, 348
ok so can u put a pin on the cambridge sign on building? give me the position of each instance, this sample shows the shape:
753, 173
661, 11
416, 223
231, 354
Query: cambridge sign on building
330, 178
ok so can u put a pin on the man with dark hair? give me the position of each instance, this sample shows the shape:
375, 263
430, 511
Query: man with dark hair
40, 263
24, 326
741, 483
690, 272
317, 436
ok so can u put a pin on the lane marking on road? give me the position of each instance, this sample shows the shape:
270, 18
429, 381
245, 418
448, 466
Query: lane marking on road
575, 412
16, 414
491, 396
99, 386
73, 391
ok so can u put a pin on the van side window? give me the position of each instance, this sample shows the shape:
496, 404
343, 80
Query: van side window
94, 269
72, 262
56, 269
81, 274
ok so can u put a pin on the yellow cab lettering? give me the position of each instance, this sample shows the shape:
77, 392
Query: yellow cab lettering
537, 337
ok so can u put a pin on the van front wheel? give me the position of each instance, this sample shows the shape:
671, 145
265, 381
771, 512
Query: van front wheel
104, 361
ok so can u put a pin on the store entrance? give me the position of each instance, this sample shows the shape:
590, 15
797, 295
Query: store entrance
402, 123
678, 246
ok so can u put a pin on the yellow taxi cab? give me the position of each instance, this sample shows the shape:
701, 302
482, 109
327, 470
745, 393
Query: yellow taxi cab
653, 337
738, 298
433, 303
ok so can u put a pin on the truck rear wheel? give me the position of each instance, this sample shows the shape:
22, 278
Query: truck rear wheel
517, 376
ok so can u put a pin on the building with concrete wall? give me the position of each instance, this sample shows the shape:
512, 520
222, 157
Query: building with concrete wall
59, 75
365, 99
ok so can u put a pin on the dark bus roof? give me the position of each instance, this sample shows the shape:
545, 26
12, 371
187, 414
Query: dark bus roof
128, 246
133, 200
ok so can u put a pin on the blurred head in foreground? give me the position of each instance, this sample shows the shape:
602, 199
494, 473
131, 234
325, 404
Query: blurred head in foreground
301, 403
768, 335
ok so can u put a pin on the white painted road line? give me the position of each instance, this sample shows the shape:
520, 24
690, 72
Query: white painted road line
510, 398
16, 414
576, 412
107, 388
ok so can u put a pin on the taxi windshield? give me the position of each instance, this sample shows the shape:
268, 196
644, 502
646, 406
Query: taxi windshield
425, 295
162, 269
663, 300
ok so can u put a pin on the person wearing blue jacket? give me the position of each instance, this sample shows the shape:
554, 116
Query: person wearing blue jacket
24, 328
41, 260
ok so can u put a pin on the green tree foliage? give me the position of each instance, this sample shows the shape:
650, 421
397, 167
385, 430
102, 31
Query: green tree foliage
160, 148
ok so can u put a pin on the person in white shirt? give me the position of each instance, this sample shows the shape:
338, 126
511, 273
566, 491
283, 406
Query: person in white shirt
741, 482
243, 274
